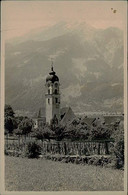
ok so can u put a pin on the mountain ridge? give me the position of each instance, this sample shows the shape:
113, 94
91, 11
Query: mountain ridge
88, 67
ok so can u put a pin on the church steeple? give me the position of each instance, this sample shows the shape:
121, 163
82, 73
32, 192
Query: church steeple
52, 65
52, 96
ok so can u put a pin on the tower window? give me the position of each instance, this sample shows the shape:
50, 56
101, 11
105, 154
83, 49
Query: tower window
56, 100
56, 85
48, 101
48, 91
55, 91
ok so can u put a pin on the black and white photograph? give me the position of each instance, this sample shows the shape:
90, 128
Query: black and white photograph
64, 96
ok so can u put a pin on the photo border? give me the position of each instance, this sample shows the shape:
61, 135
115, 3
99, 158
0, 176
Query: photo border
2, 103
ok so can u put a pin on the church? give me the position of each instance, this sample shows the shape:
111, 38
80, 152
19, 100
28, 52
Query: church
53, 110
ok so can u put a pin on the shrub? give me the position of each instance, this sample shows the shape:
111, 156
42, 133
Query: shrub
118, 148
43, 133
32, 150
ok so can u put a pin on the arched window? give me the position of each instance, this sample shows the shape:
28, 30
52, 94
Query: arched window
55, 91
48, 91
48, 101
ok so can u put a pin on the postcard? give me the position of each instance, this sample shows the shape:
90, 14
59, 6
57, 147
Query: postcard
63, 97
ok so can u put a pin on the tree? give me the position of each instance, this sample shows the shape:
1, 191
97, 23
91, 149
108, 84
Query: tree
26, 126
19, 119
99, 130
59, 132
118, 136
77, 129
9, 111
43, 133
10, 121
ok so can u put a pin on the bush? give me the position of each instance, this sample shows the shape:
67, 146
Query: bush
43, 133
32, 150
118, 148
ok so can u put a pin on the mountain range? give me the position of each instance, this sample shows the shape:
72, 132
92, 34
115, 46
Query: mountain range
88, 62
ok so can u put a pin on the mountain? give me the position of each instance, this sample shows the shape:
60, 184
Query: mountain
88, 61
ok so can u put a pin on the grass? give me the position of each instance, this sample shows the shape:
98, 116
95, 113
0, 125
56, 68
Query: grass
22, 174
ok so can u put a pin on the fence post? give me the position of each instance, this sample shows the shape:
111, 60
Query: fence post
65, 149
99, 148
106, 147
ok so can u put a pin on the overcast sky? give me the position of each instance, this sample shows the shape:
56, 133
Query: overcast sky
18, 18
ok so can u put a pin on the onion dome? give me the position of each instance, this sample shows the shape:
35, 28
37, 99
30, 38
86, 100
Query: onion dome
52, 77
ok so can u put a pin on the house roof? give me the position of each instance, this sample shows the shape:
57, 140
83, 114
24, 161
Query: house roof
67, 114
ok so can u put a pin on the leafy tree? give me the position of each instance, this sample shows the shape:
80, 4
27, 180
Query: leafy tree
118, 136
77, 129
57, 129
32, 150
9, 111
99, 130
19, 119
10, 121
59, 132
18, 131
26, 126
43, 133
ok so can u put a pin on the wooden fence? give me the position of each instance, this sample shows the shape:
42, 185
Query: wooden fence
65, 147
76, 148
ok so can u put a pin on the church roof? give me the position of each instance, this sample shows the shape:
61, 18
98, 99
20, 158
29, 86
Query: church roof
68, 115
88, 120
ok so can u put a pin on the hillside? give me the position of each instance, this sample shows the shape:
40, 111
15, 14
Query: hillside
88, 61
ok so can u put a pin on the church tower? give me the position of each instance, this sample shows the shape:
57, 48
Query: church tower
52, 97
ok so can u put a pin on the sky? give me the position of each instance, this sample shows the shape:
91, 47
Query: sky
21, 17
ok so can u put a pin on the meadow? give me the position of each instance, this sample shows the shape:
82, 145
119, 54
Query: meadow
23, 174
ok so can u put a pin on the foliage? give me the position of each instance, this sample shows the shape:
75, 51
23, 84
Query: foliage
18, 131
8, 111
32, 150
26, 126
43, 133
99, 130
118, 149
19, 119
59, 132
77, 129
9, 122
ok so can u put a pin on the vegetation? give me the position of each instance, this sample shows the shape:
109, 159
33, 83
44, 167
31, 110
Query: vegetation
32, 150
118, 149
43, 133
77, 129
16, 125
99, 130
10, 122
26, 126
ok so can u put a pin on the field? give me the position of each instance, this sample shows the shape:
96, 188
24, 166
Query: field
22, 174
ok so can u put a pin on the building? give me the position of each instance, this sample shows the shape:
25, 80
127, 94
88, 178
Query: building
53, 111
67, 115
52, 97
38, 119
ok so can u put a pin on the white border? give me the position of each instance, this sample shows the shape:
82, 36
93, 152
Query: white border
2, 159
